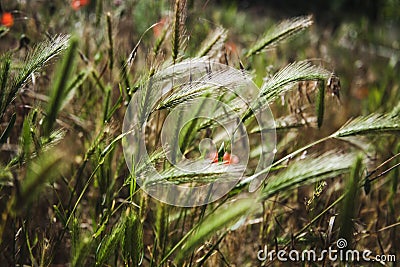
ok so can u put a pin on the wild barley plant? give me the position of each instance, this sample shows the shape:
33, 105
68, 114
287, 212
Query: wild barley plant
127, 227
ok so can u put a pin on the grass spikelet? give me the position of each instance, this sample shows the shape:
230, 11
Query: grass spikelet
127, 233
161, 225
325, 166
82, 252
282, 31
80, 246
110, 243
4, 74
213, 43
281, 82
294, 72
178, 28
36, 59
372, 124
133, 248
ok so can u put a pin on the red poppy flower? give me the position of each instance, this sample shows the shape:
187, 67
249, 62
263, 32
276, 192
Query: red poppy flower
213, 156
230, 159
77, 4
227, 158
7, 19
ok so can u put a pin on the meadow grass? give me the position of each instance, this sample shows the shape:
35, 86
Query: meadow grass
68, 198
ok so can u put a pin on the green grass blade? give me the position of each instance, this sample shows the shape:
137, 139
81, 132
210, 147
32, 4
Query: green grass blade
110, 41
73, 86
58, 93
43, 169
7, 131
25, 139
348, 210
106, 104
220, 219
320, 105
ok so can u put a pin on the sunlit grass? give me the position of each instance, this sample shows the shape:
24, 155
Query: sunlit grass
67, 196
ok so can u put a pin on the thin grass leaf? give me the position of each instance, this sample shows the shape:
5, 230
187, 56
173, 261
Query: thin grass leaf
25, 139
348, 210
60, 215
3, 30
310, 170
45, 168
7, 130
106, 104
372, 124
58, 93
175, 141
220, 219
160, 40
213, 43
131, 58
115, 107
73, 86
54, 139
212, 250
320, 105
280, 32
5, 175
110, 41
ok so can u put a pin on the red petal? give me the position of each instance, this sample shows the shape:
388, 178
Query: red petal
7, 19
